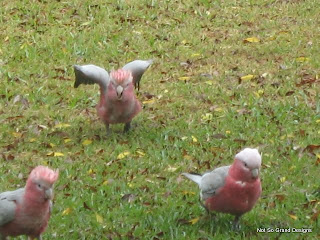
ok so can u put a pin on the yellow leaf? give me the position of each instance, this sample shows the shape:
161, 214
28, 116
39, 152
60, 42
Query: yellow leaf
105, 182
188, 193
67, 140
90, 171
166, 91
228, 132
251, 40
16, 134
187, 157
140, 153
85, 24
294, 217
184, 138
282, 179
171, 169
292, 167
32, 140
62, 125
86, 142
218, 109
58, 154
207, 116
52, 145
123, 155
302, 59
194, 139
184, 42
67, 211
209, 82
195, 55
194, 221
184, 78
282, 137
99, 218
148, 101
318, 121
247, 77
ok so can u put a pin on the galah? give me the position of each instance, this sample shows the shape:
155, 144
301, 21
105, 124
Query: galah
26, 211
118, 102
232, 189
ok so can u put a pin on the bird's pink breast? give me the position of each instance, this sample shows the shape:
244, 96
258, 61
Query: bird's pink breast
110, 110
30, 220
235, 197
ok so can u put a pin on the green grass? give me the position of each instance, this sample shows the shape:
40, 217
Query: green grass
41, 40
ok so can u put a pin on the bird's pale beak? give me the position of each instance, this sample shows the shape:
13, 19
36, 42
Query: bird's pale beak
119, 92
48, 193
255, 172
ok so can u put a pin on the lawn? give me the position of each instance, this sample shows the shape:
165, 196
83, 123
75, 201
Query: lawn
226, 75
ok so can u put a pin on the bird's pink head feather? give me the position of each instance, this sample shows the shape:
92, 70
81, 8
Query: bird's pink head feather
45, 174
121, 76
250, 156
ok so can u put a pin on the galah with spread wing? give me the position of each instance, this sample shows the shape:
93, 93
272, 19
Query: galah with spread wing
26, 211
232, 189
118, 102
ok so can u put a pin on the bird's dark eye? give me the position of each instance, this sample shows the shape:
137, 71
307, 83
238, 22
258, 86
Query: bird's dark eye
245, 164
39, 185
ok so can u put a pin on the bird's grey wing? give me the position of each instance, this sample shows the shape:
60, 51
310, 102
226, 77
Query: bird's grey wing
137, 68
91, 74
8, 201
211, 182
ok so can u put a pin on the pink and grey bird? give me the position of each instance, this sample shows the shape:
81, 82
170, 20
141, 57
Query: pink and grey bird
231, 189
118, 102
26, 211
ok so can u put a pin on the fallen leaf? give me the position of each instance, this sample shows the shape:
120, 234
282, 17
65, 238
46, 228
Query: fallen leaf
32, 140
86, 206
247, 77
123, 155
148, 101
188, 193
55, 154
294, 217
129, 197
67, 140
171, 169
251, 40
99, 218
62, 125
184, 78
194, 139
140, 153
194, 220
302, 59
315, 215
16, 134
280, 197
282, 179
86, 142
67, 211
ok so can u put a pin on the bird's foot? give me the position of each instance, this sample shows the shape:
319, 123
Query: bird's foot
108, 130
235, 224
126, 127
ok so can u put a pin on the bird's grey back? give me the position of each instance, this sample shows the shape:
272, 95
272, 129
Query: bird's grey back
8, 202
212, 181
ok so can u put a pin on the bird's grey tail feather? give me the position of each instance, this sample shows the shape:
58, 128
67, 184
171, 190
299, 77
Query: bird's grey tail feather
193, 177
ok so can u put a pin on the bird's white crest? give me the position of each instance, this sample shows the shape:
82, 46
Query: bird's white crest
250, 156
